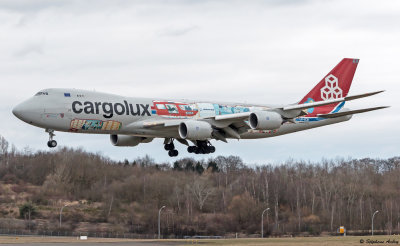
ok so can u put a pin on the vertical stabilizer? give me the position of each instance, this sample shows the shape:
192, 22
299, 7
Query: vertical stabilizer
335, 84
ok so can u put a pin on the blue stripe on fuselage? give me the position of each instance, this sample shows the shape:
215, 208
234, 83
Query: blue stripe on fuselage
314, 119
309, 119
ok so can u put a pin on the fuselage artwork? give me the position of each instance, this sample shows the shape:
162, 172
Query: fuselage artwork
131, 121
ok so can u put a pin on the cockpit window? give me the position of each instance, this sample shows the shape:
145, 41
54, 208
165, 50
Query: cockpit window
42, 93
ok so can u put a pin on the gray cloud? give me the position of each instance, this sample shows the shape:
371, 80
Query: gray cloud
34, 48
30, 6
258, 51
177, 31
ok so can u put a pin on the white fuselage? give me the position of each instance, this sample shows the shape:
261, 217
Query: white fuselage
81, 111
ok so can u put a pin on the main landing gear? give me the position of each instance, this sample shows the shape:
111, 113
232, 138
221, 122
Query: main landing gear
201, 147
170, 147
51, 143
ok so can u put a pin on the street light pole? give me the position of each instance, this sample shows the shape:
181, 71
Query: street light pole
373, 221
159, 226
262, 222
61, 212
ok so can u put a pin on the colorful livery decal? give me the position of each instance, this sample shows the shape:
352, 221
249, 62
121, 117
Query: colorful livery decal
186, 110
174, 109
79, 124
223, 109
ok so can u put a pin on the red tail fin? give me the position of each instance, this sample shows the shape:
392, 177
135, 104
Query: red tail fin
335, 84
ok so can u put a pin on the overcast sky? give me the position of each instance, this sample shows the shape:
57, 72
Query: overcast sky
247, 51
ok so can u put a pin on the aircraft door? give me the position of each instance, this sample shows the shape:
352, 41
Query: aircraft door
57, 116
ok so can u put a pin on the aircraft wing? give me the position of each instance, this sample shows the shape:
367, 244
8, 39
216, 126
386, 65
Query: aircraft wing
233, 125
160, 123
236, 117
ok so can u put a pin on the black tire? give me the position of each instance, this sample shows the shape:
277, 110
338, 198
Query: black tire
171, 153
52, 143
175, 152
48, 144
197, 150
211, 149
169, 146
192, 149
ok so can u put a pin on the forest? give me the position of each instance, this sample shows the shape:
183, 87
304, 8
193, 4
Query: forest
214, 196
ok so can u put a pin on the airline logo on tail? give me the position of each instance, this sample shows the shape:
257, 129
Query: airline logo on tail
334, 85
331, 90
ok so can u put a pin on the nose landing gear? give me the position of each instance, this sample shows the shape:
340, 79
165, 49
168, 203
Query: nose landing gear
51, 143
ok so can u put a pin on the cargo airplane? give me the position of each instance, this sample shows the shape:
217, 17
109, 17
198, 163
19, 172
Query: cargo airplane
131, 121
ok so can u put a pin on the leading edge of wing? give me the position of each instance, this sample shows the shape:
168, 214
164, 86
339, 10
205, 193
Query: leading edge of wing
159, 123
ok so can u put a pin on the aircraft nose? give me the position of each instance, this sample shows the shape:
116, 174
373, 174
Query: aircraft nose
18, 111
25, 111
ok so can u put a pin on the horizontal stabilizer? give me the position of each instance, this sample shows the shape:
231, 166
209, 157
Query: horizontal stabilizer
327, 102
349, 98
350, 112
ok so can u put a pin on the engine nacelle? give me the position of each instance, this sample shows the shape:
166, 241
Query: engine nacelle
265, 120
195, 130
126, 140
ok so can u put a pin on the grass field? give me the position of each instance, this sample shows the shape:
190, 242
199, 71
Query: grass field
303, 241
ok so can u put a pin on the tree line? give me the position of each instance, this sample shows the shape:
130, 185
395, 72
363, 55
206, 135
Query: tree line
214, 196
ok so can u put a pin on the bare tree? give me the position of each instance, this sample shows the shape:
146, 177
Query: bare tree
201, 190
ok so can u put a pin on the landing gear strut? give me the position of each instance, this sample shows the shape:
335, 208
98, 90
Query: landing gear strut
201, 147
51, 143
170, 147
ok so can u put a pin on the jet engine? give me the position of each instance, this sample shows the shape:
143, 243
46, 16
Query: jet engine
265, 120
126, 140
195, 130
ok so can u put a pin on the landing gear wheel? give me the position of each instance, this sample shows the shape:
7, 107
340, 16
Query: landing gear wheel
191, 149
169, 146
173, 153
201, 147
52, 143
211, 149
